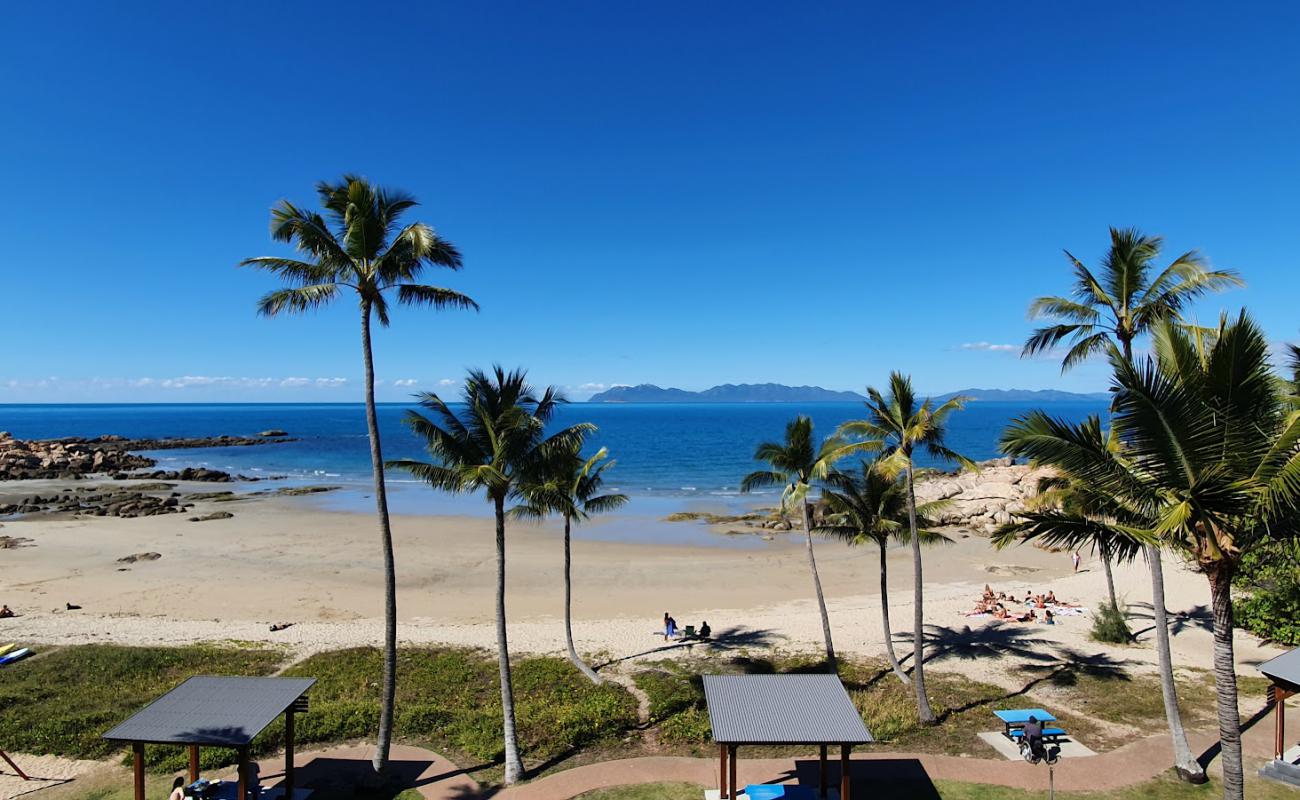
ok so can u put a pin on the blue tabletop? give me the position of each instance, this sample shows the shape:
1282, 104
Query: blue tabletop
1019, 716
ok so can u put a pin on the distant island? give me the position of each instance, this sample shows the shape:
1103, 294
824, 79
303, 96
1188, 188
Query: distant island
780, 393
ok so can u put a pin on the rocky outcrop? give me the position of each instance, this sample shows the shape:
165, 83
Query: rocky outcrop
77, 457
96, 503
985, 499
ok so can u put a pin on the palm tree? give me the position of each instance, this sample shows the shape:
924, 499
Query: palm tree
1112, 308
867, 507
359, 246
1211, 453
1067, 514
796, 464
495, 442
896, 426
568, 485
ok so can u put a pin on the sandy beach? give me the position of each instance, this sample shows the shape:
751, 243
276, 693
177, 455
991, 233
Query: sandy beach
286, 560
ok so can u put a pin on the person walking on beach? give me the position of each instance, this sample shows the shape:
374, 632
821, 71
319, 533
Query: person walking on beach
670, 627
1075, 558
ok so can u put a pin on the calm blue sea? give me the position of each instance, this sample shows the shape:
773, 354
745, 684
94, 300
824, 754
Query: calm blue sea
669, 456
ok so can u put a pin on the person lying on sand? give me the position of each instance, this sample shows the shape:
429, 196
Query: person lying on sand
6, 612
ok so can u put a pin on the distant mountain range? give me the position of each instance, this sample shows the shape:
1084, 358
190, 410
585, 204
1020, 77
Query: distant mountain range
779, 393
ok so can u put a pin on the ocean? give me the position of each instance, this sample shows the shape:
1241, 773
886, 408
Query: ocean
670, 457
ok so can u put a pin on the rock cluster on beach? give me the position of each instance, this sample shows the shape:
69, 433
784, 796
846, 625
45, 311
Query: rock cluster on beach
985, 499
100, 503
77, 457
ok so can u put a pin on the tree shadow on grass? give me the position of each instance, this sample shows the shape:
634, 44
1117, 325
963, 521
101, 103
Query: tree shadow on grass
726, 640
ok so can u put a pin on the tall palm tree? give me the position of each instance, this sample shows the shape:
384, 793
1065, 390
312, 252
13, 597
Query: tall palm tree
1068, 514
1211, 453
567, 485
896, 425
490, 446
358, 245
796, 463
1112, 308
865, 507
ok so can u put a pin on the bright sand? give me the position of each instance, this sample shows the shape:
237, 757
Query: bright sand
285, 560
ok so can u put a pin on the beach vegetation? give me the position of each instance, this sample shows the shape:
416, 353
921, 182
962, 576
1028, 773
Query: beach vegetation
567, 485
796, 463
492, 443
1109, 625
866, 507
1269, 582
1108, 309
359, 246
1211, 450
897, 426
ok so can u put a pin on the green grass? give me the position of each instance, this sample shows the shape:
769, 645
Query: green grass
60, 701
450, 699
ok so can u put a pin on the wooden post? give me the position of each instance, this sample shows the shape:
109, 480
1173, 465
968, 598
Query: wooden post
722, 771
194, 763
14, 766
1279, 708
241, 793
731, 770
846, 785
288, 754
821, 773
137, 768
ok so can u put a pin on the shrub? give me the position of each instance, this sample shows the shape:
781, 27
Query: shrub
1270, 577
1109, 625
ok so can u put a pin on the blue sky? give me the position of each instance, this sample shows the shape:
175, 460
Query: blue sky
675, 193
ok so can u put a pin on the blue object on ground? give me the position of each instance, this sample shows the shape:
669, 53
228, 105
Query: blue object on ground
1019, 716
1048, 733
779, 791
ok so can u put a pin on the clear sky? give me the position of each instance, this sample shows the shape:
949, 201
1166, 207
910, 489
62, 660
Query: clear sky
675, 193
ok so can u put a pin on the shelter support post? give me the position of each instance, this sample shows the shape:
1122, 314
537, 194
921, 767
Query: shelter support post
846, 784
194, 763
242, 767
722, 772
821, 772
137, 768
731, 770
288, 754
1279, 709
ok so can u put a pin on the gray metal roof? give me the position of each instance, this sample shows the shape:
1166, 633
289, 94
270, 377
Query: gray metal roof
782, 709
1284, 668
227, 711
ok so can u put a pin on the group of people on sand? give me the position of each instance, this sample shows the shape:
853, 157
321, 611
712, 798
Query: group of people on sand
670, 628
1039, 607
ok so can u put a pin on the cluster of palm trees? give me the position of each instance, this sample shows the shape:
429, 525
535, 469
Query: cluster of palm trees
498, 443
1201, 456
872, 503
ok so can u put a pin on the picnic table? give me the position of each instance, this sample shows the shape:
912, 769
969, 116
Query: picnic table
1014, 720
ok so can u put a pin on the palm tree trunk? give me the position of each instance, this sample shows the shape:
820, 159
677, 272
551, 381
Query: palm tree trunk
514, 765
1110, 577
568, 610
389, 689
923, 711
884, 619
1185, 764
1225, 681
817, 585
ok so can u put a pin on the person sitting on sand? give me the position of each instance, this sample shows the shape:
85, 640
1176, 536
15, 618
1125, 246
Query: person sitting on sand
6, 612
1040, 601
988, 592
1048, 619
178, 789
705, 630
1000, 612
1051, 597
670, 627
